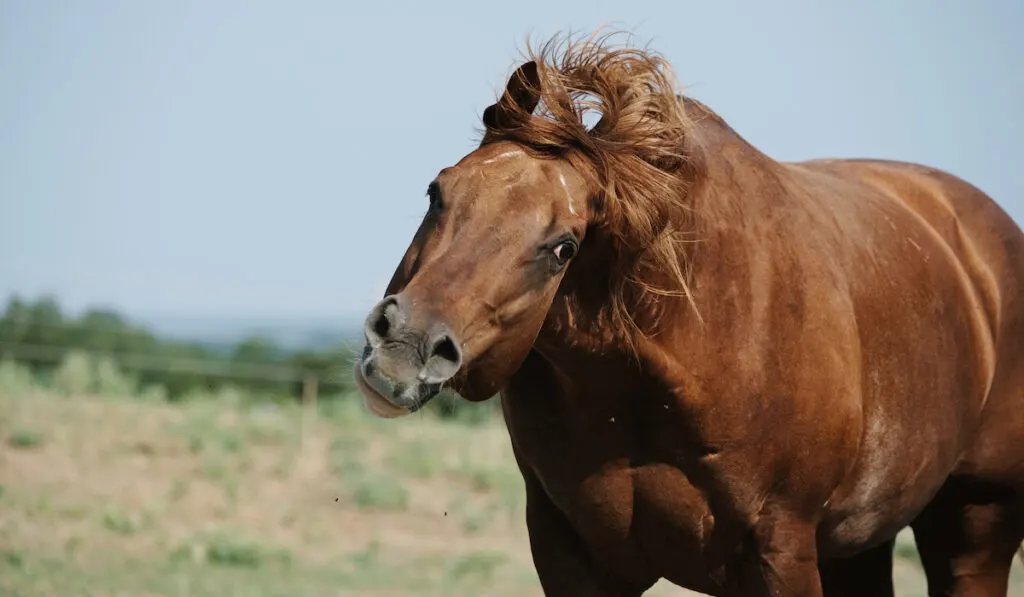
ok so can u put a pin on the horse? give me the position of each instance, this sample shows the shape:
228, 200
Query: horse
741, 375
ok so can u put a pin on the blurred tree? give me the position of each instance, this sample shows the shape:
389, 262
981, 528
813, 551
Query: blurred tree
38, 334
332, 369
46, 323
248, 357
16, 321
258, 350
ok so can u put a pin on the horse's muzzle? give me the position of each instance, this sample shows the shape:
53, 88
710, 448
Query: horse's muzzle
403, 364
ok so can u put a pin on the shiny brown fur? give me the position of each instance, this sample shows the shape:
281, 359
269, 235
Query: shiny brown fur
750, 376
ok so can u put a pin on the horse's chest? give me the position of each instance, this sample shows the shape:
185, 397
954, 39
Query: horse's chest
641, 520
621, 492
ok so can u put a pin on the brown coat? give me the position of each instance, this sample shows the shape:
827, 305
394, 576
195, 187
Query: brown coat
746, 376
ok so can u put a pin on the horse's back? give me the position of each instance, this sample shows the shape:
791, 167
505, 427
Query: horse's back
989, 247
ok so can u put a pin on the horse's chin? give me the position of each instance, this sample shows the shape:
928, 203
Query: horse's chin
377, 404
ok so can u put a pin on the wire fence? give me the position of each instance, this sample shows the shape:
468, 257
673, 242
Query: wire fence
253, 361
294, 380
307, 394
166, 364
341, 338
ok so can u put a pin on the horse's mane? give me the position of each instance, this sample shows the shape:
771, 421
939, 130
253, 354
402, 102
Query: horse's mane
635, 153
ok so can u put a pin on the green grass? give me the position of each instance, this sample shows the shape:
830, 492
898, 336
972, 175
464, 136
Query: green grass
25, 438
478, 567
415, 459
114, 496
233, 566
119, 522
906, 550
379, 492
226, 549
201, 498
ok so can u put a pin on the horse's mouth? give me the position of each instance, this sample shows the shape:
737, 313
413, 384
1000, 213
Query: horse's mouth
375, 402
411, 398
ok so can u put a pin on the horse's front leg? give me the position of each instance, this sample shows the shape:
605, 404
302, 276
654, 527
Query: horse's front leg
563, 565
866, 573
779, 558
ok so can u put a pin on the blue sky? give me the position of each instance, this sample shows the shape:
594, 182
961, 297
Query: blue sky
270, 158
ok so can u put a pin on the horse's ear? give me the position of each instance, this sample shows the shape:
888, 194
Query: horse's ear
523, 90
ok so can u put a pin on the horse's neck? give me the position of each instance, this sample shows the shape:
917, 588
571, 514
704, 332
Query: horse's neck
576, 338
574, 372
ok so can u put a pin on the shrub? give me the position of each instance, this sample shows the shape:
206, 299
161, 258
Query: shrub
74, 375
15, 378
153, 393
120, 523
222, 549
25, 438
109, 380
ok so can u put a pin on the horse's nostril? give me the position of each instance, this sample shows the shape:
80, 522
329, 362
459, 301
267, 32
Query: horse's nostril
399, 348
444, 360
382, 326
384, 318
445, 348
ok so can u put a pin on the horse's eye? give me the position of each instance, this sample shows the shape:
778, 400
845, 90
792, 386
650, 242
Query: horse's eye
564, 251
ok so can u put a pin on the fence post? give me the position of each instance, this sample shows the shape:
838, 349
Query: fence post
309, 406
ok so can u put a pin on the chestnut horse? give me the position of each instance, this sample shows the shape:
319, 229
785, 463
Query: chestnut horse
741, 375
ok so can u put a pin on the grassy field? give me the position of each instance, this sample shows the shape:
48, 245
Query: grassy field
122, 497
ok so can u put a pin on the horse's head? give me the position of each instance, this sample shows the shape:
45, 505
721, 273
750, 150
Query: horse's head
473, 289
505, 223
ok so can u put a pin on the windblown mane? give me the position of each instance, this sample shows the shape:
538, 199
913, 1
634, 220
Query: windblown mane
635, 153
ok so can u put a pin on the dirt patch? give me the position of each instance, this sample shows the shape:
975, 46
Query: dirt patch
124, 496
